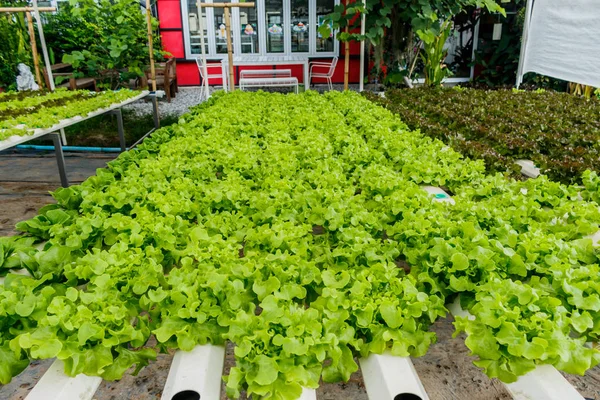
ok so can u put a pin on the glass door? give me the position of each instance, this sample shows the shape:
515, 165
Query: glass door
274, 26
194, 24
220, 31
324, 8
249, 30
299, 26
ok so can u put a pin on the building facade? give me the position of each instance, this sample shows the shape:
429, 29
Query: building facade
272, 28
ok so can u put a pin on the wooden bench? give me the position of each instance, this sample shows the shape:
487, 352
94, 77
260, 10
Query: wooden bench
73, 83
268, 78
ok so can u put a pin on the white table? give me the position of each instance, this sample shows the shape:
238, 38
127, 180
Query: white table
249, 59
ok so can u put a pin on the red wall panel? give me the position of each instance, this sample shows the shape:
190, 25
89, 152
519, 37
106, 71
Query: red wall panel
338, 75
169, 14
173, 43
297, 71
354, 48
187, 73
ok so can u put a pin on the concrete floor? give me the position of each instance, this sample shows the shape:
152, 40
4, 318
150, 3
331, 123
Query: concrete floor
446, 371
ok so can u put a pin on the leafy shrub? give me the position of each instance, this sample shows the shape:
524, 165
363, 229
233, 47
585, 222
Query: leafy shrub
559, 132
14, 47
103, 38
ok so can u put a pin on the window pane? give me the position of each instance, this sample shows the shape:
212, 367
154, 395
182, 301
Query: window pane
220, 31
324, 7
274, 18
249, 35
194, 24
460, 44
299, 26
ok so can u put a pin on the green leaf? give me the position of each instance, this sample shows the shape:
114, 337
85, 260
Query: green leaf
267, 370
10, 364
460, 261
342, 366
391, 314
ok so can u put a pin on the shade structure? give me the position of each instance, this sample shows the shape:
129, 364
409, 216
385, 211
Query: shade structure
560, 40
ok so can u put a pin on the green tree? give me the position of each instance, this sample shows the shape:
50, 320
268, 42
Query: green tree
14, 44
398, 28
103, 38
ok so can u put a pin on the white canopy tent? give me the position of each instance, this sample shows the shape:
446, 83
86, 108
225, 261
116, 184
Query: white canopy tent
560, 40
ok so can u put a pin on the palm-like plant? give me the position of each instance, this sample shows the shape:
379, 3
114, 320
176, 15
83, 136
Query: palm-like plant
433, 54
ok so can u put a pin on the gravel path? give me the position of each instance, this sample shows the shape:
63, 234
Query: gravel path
192, 95
186, 98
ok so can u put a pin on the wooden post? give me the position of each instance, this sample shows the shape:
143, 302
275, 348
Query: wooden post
25, 9
229, 48
346, 62
150, 48
28, 11
227, 16
36, 61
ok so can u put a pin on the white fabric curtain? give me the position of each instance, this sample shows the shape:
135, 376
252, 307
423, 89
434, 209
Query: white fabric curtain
563, 40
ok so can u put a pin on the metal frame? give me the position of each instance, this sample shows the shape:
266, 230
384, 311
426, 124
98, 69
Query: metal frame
271, 60
274, 82
268, 77
330, 66
55, 132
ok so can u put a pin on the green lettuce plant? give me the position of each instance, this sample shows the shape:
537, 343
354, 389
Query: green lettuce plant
295, 227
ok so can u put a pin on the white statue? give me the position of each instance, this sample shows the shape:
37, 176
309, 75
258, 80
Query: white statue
25, 79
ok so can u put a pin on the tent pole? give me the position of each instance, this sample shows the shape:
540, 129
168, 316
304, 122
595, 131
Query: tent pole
475, 45
203, 50
361, 83
150, 49
528, 11
38, 17
36, 61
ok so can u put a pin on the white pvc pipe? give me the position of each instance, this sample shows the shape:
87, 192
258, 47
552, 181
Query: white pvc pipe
202, 49
528, 10
528, 168
196, 371
475, 46
308, 394
55, 385
438, 193
543, 383
388, 377
38, 17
